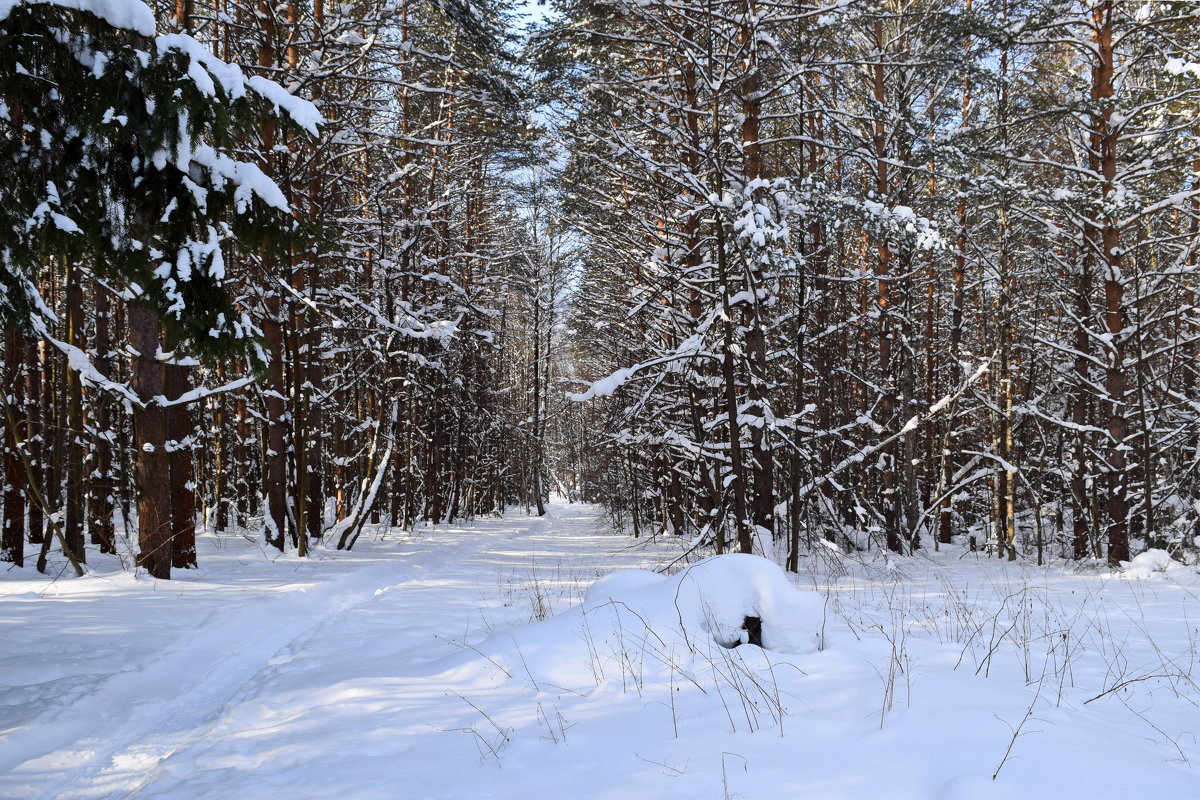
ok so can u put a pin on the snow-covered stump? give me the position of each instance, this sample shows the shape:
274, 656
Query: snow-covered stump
707, 640
641, 628
731, 599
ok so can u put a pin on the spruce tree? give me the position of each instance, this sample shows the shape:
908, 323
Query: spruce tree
127, 144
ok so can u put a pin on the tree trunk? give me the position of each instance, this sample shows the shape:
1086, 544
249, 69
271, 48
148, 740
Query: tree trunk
74, 433
275, 479
949, 462
275, 465
100, 505
34, 430
179, 458
1079, 413
150, 440
1114, 293
220, 465
12, 539
887, 406
762, 459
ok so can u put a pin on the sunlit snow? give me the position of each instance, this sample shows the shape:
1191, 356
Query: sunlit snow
523, 657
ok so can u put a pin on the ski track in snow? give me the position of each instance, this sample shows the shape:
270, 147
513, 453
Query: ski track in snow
400, 672
101, 737
178, 689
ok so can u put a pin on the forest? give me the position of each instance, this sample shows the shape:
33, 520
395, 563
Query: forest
613, 399
769, 277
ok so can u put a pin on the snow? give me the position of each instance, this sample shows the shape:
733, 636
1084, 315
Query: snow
302, 112
203, 66
204, 69
1146, 565
495, 659
249, 179
44, 209
604, 387
130, 15
78, 359
710, 601
1178, 66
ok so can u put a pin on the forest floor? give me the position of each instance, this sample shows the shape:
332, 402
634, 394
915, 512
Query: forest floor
455, 662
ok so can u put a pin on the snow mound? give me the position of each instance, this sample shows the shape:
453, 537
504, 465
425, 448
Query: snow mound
616, 585
1146, 564
636, 626
723, 598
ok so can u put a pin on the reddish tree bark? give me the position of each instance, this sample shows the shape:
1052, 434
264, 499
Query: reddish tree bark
1114, 289
887, 405
179, 458
150, 439
74, 436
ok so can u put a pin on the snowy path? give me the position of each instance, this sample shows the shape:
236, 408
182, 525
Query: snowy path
408, 669
171, 690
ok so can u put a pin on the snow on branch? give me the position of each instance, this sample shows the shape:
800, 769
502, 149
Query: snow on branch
79, 361
201, 392
916, 421
204, 69
606, 386
301, 111
129, 15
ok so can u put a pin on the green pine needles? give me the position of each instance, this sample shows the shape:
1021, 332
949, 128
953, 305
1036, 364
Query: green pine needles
122, 155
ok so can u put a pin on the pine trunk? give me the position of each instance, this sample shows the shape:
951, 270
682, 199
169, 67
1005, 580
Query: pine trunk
1114, 293
150, 441
100, 503
74, 436
12, 538
179, 457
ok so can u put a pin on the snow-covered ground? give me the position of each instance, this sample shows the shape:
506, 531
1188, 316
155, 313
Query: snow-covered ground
462, 662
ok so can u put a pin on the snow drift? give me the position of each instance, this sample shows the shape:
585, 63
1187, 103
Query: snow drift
646, 626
